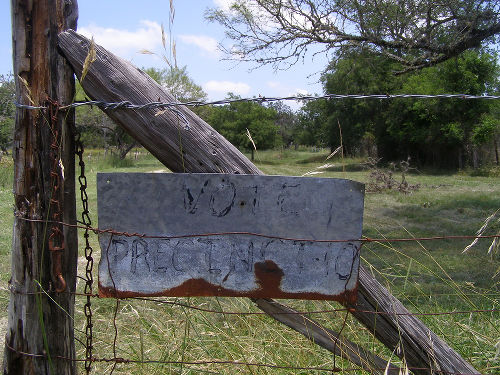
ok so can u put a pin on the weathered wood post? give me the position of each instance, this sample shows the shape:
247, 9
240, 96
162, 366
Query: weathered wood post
44, 255
185, 143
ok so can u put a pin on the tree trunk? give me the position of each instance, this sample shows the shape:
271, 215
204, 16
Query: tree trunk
185, 143
40, 325
495, 145
475, 157
125, 149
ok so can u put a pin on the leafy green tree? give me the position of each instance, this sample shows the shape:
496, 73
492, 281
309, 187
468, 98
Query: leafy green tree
443, 132
178, 83
439, 132
181, 86
98, 130
311, 127
286, 121
7, 111
488, 130
357, 72
233, 121
95, 127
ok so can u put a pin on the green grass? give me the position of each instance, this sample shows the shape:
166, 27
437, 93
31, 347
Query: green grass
6, 222
428, 276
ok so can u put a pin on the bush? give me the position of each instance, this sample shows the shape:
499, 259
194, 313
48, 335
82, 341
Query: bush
114, 161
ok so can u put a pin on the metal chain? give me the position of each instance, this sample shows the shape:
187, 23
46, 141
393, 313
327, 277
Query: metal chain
89, 280
56, 237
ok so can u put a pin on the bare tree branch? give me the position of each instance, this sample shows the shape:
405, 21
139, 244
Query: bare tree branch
416, 33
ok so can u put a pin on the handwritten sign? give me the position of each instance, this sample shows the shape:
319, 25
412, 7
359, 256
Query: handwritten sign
228, 235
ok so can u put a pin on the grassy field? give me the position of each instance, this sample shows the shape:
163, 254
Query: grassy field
428, 276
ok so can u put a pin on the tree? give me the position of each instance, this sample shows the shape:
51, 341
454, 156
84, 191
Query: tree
488, 129
415, 33
312, 118
286, 121
358, 71
181, 86
444, 132
98, 130
178, 83
7, 111
233, 121
438, 132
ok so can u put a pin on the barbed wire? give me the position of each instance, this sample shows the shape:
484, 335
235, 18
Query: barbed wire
259, 99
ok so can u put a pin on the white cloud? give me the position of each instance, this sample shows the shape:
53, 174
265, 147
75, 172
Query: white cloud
224, 87
274, 84
204, 42
282, 89
301, 92
126, 43
223, 4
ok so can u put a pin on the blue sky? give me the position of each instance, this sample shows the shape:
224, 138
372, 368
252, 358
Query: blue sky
126, 27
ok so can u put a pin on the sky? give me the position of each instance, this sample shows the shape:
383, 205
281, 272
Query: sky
125, 27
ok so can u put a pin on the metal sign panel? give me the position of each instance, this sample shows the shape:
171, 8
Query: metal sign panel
229, 235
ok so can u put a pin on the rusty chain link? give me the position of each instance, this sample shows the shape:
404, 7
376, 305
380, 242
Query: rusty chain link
89, 280
56, 236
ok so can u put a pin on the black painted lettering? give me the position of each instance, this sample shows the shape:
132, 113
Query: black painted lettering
140, 254
161, 259
222, 199
119, 250
182, 256
210, 257
190, 200
344, 261
286, 202
242, 257
300, 256
251, 195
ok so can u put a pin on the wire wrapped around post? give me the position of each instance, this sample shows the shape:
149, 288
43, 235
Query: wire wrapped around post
56, 236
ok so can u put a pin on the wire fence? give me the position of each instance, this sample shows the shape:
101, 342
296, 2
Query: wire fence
260, 99
120, 362
158, 335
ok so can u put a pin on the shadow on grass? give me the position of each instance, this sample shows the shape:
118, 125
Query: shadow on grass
320, 158
353, 167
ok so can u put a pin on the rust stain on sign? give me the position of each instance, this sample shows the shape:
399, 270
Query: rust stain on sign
273, 265
268, 276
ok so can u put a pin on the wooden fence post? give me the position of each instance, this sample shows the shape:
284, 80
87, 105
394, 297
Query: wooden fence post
40, 328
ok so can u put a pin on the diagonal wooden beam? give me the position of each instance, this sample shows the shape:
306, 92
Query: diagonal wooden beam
327, 338
185, 143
